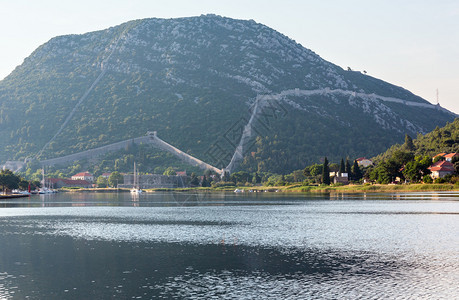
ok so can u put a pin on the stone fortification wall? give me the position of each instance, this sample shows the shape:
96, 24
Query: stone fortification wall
151, 139
13, 165
93, 153
157, 142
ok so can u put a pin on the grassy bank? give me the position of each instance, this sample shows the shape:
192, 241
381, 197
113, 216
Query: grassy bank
298, 188
377, 188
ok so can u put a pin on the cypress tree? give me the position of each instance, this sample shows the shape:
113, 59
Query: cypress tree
356, 172
326, 173
409, 145
194, 179
341, 167
347, 168
204, 182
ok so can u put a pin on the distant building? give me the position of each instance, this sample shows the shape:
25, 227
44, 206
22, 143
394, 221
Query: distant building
106, 175
449, 157
441, 168
57, 183
181, 173
83, 176
336, 177
364, 162
438, 155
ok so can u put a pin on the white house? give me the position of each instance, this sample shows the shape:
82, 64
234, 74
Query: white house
364, 162
83, 176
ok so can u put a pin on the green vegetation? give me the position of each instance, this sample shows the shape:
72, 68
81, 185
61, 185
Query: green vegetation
195, 96
11, 181
326, 173
410, 161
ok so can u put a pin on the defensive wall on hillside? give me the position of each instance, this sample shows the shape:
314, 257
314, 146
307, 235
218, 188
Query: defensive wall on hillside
14, 166
151, 138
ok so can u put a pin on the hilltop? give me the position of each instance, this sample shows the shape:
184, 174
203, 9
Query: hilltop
197, 81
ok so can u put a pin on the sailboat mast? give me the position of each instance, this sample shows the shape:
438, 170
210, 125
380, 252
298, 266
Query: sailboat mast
134, 177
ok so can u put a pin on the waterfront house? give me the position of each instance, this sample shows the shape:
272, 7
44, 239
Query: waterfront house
83, 176
441, 168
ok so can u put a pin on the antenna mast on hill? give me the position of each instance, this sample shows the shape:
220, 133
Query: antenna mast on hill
438, 100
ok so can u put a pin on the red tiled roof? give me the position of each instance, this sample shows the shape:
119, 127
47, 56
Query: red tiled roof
362, 158
442, 166
440, 154
83, 174
451, 155
181, 173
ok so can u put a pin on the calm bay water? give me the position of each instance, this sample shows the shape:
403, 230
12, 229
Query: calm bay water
243, 246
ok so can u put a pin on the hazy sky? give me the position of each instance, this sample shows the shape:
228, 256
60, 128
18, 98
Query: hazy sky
413, 44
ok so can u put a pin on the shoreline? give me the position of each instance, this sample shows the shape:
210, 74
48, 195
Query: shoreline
298, 188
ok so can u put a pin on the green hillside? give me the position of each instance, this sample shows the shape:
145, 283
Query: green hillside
440, 140
195, 81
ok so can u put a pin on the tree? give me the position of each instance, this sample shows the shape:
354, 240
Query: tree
240, 177
205, 182
194, 179
256, 178
333, 167
315, 170
326, 173
102, 182
115, 178
226, 176
409, 145
356, 172
8, 180
169, 171
297, 176
23, 184
341, 167
347, 168
416, 169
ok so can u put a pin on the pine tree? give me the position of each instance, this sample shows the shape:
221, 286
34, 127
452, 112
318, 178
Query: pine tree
326, 173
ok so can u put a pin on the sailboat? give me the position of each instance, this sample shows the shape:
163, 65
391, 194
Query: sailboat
135, 188
44, 189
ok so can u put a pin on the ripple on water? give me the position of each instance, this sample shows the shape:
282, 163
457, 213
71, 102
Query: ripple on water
320, 249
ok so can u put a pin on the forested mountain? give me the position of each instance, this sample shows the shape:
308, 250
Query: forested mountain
195, 81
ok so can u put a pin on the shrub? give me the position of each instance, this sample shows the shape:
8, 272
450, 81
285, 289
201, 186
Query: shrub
427, 179
455, 180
